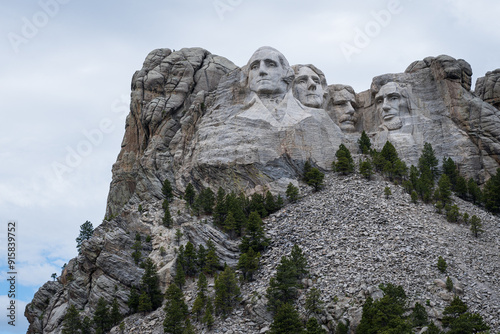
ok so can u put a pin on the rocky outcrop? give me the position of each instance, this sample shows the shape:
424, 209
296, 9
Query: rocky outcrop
488, 88
168, 94
197, 118
440, 109
106, 268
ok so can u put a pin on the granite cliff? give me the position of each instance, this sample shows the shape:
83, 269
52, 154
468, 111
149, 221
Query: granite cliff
197, 118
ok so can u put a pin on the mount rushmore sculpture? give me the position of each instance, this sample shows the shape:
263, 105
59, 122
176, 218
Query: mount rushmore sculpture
198, 118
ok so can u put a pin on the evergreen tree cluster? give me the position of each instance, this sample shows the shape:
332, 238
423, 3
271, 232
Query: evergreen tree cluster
344, 163
390, 314
283, 292
313, 176
252, 243
231, 211
192, 261
104, 318
147, 296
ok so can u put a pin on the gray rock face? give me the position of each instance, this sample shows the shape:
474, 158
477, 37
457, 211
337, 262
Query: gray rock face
488, 88
435, 105
198, 118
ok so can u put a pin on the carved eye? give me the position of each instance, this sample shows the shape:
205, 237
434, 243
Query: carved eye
254, 66
394, 98
379, 101
316, 81
302, 81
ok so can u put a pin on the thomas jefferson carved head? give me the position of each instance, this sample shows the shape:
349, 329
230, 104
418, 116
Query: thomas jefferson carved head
344, 104
269, 72
391, 102
309, 86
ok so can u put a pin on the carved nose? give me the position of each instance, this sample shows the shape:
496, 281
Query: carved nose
312, 84
350, 109
386, 106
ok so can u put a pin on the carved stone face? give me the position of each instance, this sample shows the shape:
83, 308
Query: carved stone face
308, 89
388, 102
343, 106
266, 73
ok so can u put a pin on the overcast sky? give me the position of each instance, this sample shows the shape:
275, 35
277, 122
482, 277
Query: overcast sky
65, 87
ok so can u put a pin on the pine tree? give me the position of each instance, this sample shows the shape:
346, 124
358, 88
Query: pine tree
270, 203
433, 329
386, 314
189, 264
364, 143
286, 321
279, 202
444, 187
491, 193
167, 190
136, 254
254, 237
167, 217
86, 327
313, 304
133, 300
201, 298
315, 178
220, 209
248, 263
180, 275
441, 264
189, 194
366, 169
235, 206
201, 257
101, 319
414, 196
449, 284
226, 291
283, 286
450, 169
299, 261
150, 284
389, 152
313, 327
475, 225
178, 236
213, 263
86, 231
145, 304
461, 187
207, 201
474, 191
387, 192
419, 316
115, 314
345, 163
452, 213
292, 193
176, 311
208, 318
428, 161
72, 321
460, 321
230, 225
